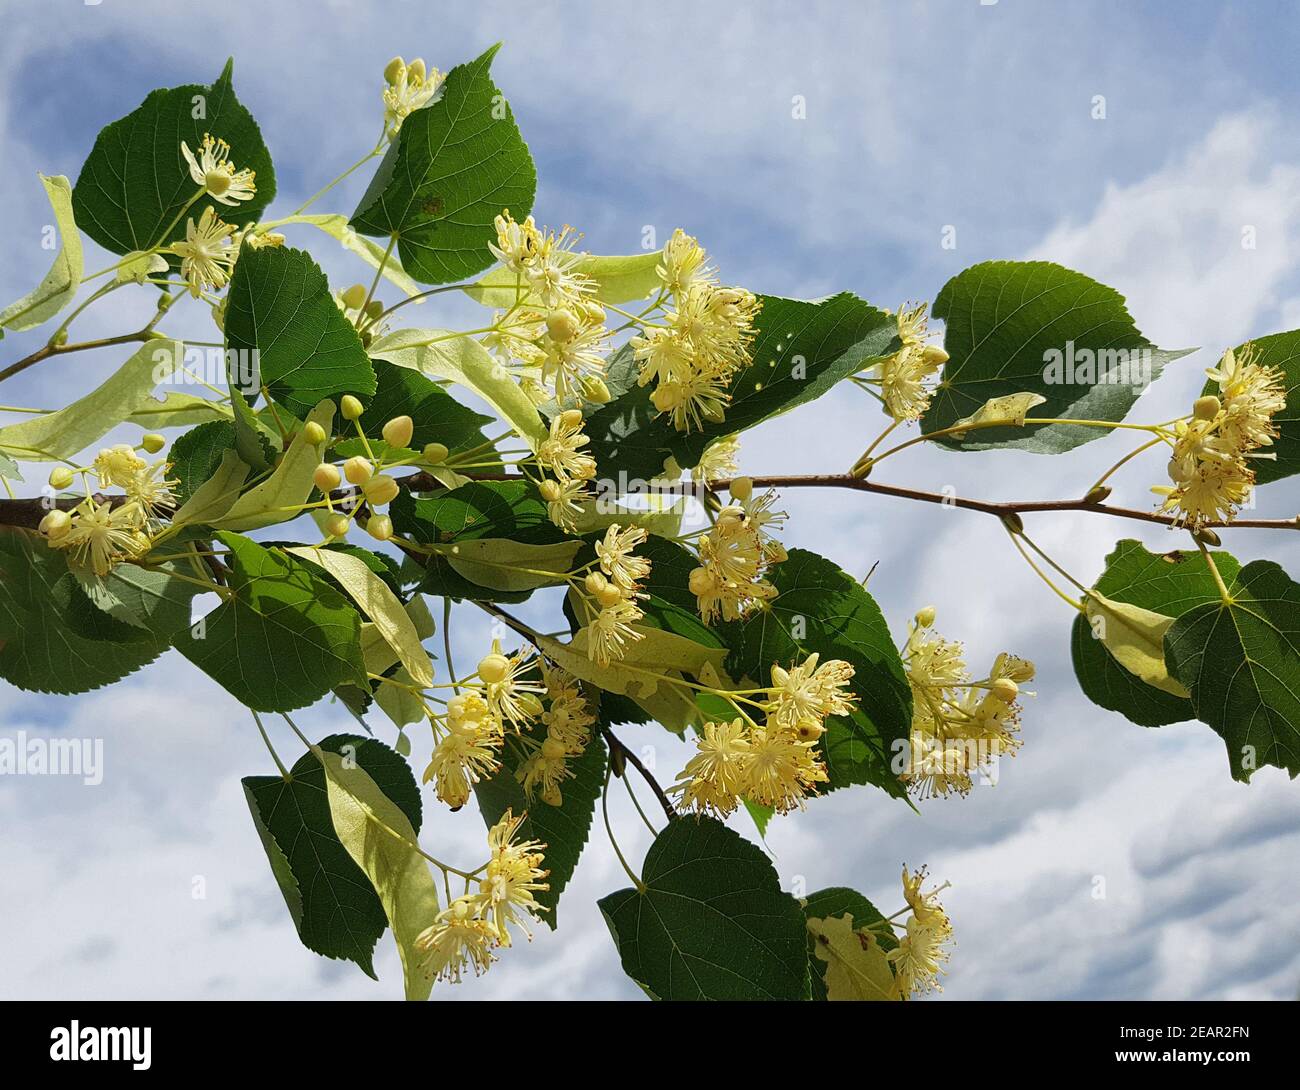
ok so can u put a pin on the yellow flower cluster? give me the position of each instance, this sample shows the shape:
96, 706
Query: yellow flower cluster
472, 731
615, 588
407, 88
100, 533
959, 726
921, 952
561, 455
704, 340
568, 721
736, 552
776, 764
902, 376
1209, 468
470, 929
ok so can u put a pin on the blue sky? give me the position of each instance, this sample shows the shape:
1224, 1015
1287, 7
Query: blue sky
918, 117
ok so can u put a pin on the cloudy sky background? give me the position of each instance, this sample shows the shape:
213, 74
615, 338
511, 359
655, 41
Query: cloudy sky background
919, 117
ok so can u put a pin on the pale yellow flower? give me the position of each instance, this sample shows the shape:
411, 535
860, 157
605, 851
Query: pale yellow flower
213, 170
206, 254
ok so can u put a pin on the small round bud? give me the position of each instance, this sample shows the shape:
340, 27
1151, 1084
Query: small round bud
313, 433
571, 418
934, 355
380, 527
1206, 536
809, 730
701, 581
609, 595
374, 309
742, 488
327, 477
552, 750
493, 668
435, 453
529, 704
925, 617
153, 442
56, 524
60, 477
596, 582
358, 470
394, 70
351, 407
1098, 494
593, 312
380, 489
550, 491
415, 71
1207, 407
594, 389
398, 431
337, 525
1005, 690
562, 325
354, 297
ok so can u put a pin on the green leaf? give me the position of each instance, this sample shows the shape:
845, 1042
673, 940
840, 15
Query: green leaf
57, 436
374, 598
1241, 661
280, 496
458, 358
619, 279
196, 456
838, 619
453, 167
382, 841
1280, 350
711, 922
1167, 583
46, 645
283, 640
563, 829
280, 307
135, 182
152, 599
336, 226
836, 901
1033, 327
436, 416
64, 278
333, 905
801, 350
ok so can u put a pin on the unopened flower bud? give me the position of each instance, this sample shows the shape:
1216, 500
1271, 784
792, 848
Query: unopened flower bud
313, 433
571, 418
153, 442
327, 477
1206, 536
594, 389
435, 453
380, 489
354, 298
493, 668
415, 70
562, 325
593, 311
1005, 690
60, 477
934, 355
609, 595
596, 582
1207, 407
398, 431
380, 527
552, 750
374, 309
358, 470
337, 525
529, 704
350, 407
56, 524
925, 617
742, 488
394, 69
809, 730
701, 581
550, 491
1098, 494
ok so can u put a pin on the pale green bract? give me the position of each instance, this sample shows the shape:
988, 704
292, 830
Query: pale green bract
64, 278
